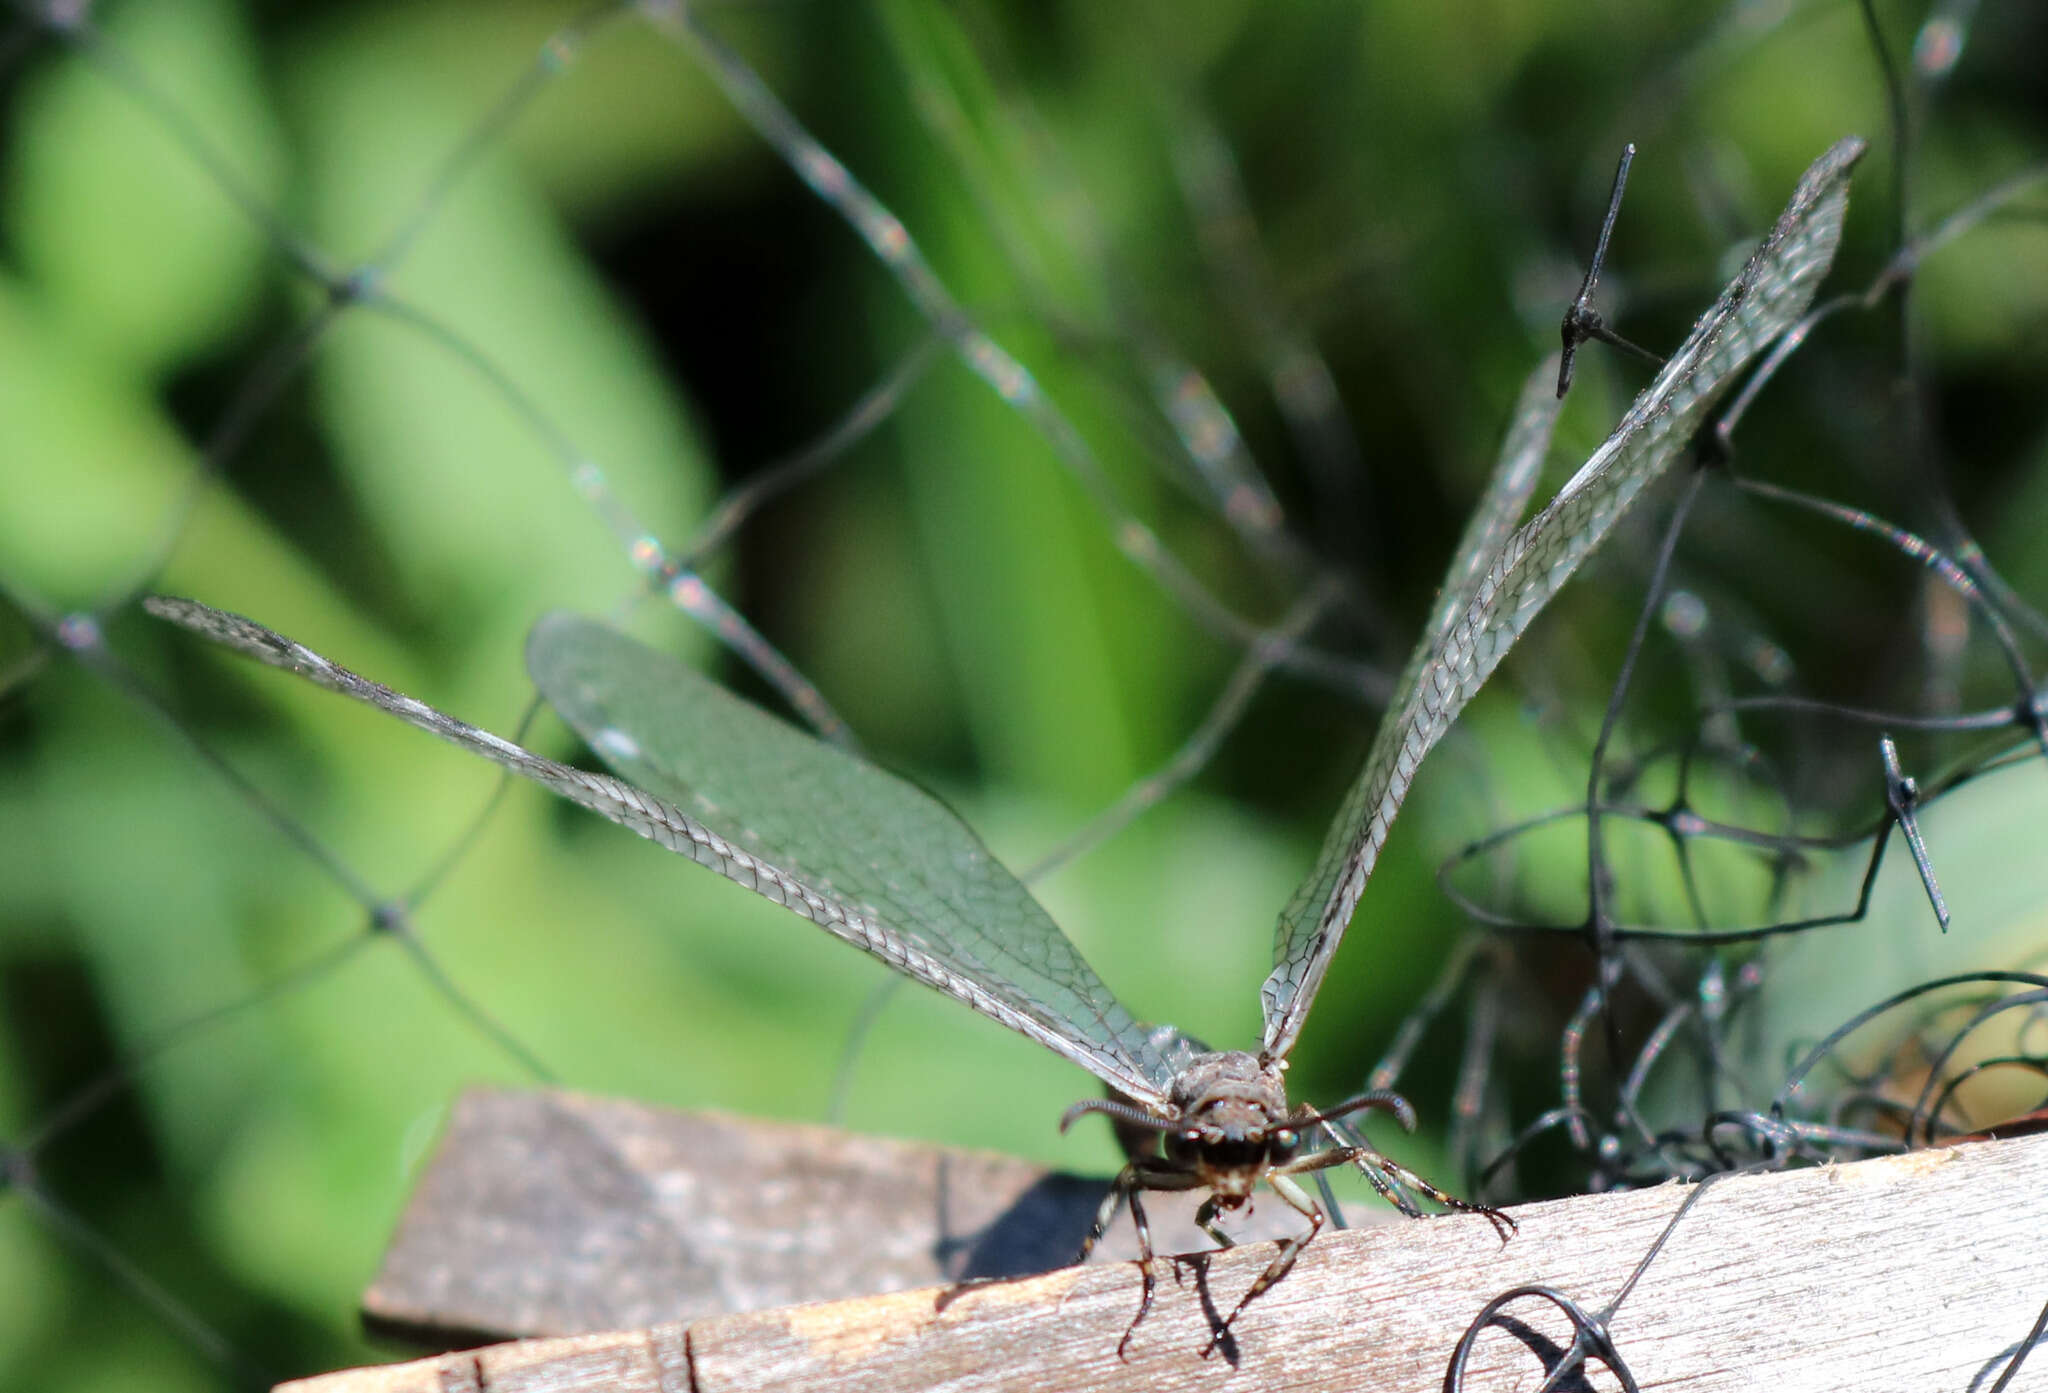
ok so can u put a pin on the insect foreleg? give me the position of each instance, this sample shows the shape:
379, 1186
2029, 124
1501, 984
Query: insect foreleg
1283, 1261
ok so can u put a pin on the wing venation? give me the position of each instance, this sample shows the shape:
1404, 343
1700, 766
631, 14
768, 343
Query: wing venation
1486, 610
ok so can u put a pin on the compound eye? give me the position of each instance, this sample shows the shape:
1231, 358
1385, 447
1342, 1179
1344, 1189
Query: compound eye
1282, 1143
1192, 1135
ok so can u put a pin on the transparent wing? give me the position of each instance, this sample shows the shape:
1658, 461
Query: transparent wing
1484, 616
862, 854
1500, 507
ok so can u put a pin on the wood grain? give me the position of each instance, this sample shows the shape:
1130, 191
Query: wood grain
554, 1213
1918, 1272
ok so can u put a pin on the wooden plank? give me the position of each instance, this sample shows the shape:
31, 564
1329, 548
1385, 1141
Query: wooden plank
1913, 1272
554, 1213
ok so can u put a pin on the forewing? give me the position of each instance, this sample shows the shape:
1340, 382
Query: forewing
1501, 506
882, 865
918, 888
1452, 660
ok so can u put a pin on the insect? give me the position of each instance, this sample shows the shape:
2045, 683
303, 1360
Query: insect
878, 862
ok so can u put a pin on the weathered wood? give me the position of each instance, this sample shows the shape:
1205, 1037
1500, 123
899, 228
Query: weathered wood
1915, 1272
548, 1213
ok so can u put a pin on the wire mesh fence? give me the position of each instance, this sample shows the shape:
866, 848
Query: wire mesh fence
1072, 410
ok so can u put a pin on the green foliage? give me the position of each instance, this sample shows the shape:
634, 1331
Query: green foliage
627, 275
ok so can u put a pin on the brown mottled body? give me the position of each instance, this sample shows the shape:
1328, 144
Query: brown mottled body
1226, 1126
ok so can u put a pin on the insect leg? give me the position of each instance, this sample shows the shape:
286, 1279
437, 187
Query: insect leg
1503, 1224
1371, 1163
1144, 1268
1124, 1186
1134, 1179
1283, 1261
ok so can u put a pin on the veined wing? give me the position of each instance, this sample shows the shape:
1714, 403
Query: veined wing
1500, 507
929, 899
862, 854
1455, 657
1494, 516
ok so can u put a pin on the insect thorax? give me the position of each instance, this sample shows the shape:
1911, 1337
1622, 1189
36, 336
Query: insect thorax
1232, 1121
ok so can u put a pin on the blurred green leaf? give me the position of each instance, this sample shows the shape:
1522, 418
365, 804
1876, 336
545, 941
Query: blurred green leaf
138, 248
